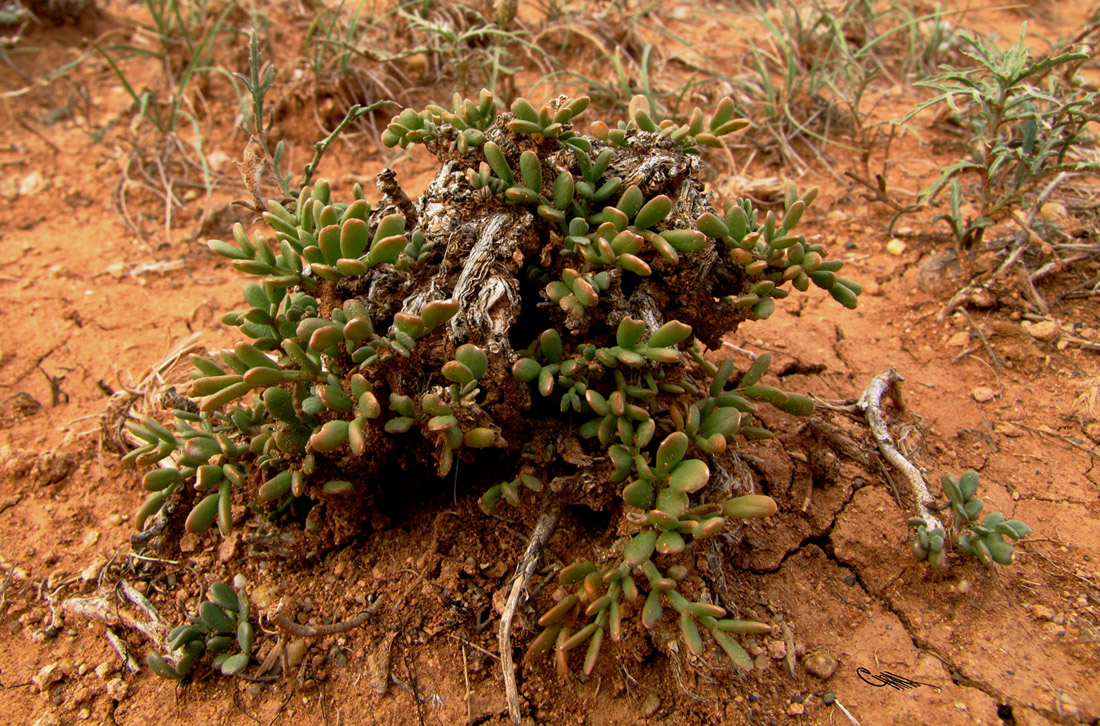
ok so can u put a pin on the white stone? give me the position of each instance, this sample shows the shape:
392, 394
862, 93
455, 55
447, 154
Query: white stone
33, 183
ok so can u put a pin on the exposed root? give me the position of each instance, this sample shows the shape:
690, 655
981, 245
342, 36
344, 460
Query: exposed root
547, 522
311, 631
123, 651
99, 609
846, 712
870, 403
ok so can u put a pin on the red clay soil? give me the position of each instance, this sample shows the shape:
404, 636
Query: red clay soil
88, 308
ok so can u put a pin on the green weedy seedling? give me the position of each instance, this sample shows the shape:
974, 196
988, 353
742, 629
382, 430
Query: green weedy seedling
219, 628
381, 335
1026, 125
984, 540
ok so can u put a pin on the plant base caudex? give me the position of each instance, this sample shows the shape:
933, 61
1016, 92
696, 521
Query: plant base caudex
543, 307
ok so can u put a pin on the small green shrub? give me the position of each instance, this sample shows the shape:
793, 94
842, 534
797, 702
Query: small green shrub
810, 67
1025, 121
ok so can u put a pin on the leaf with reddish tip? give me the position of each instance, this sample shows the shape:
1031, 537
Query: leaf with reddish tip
669, 334
749, 506
671, 451
690, 476
438, 312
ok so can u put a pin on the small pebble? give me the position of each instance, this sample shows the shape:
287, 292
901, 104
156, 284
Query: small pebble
47, 676
295, 652
117, 689
1045, 330
33, 183
79, 696
89, 573
264, 595
337, 657
218, 161
1042, 612
1010, 430
651, 704
960, 339
895, 247
820, 665
1053, 211
796, 709
981, 394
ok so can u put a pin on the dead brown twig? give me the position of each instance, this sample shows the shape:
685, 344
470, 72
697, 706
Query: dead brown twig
544, 527
985, 341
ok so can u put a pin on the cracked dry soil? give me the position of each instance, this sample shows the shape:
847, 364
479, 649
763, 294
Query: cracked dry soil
87, 308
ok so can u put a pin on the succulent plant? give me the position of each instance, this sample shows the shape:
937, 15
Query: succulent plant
219, 626
548, 297
984, 540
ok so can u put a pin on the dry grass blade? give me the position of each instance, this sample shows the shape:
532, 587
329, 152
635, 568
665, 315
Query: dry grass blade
144, 398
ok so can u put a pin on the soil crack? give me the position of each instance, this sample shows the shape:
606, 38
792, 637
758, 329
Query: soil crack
822, 540
920, 643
